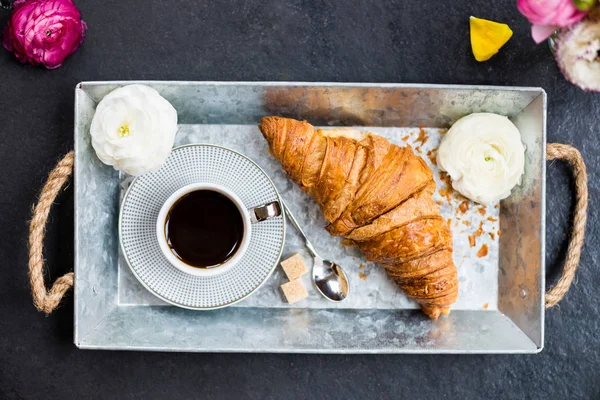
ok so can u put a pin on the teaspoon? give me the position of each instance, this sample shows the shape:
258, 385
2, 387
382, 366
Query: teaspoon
329, 277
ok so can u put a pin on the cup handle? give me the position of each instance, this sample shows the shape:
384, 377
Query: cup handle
264, 212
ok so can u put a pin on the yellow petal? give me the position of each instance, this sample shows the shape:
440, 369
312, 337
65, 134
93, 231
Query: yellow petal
487, 37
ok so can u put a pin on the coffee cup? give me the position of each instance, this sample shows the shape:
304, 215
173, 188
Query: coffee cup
204, 229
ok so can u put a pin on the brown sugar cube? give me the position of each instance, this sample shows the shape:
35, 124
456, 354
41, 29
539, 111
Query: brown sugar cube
294, 267
294, 291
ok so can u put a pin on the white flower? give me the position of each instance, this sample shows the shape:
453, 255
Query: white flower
577, 52
484, 156
133, 129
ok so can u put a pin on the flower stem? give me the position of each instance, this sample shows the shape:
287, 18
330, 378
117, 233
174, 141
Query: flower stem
552, 41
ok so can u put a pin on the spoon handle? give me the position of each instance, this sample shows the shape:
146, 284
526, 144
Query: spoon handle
290, 216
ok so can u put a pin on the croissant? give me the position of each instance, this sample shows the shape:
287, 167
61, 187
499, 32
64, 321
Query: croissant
379, 196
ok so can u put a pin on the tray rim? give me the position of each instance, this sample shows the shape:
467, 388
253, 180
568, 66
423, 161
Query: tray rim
389, 85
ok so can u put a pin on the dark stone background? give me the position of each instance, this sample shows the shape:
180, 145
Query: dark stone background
424, 41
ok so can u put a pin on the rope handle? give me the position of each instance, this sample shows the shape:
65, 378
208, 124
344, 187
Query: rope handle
570, 154
44, 300
48, 300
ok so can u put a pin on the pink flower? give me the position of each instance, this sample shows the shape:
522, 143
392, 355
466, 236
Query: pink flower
44, 31
549, 15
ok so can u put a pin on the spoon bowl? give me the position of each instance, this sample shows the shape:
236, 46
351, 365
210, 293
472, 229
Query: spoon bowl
330, 279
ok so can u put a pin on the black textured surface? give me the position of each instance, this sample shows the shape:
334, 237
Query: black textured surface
423, 41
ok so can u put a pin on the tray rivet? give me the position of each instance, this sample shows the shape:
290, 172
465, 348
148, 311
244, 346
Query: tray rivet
523, 293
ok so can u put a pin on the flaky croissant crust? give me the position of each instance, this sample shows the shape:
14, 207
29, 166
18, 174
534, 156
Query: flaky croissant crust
378, 195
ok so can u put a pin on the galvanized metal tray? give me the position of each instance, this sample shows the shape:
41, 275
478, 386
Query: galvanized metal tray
113, 311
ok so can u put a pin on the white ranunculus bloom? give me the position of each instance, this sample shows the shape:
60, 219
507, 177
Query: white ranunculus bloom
134, 129
484, 156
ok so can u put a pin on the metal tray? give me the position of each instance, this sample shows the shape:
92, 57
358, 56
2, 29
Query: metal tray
112, 311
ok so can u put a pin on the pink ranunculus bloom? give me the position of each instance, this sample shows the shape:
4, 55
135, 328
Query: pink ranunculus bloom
44, 31
549, 15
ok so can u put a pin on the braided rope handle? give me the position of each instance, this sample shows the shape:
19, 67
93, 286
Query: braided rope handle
48, 300
555, 151
44, 300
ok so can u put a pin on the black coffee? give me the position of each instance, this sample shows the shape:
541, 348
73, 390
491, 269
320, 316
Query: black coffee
204, 229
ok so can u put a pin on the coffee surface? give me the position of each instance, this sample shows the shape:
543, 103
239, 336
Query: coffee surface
204, 229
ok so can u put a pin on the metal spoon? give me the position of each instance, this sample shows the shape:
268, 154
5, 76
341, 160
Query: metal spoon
329, 278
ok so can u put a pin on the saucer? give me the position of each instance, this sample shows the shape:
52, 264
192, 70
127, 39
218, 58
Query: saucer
141, 206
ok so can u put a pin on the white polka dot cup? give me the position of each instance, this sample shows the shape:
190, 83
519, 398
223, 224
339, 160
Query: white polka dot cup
141, 205
249, 216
